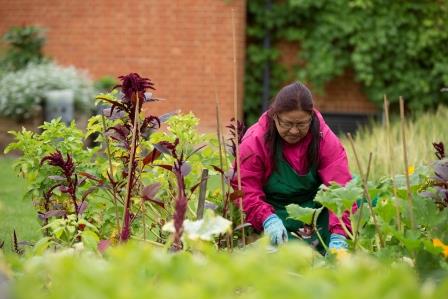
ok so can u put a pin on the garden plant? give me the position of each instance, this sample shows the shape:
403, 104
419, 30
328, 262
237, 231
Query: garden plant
130, 217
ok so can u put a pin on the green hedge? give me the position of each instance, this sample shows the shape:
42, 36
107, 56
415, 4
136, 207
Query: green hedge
397, 48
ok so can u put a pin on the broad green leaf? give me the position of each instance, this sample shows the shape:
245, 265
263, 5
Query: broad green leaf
303, 214
90, 239
41, 246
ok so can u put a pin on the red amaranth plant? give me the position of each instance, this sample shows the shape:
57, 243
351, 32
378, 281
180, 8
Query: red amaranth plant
71, 181
68, 183
180, 168
127, 134
240, 129
440, 179
440, 150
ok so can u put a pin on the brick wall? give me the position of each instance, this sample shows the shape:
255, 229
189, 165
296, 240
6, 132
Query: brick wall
184, 46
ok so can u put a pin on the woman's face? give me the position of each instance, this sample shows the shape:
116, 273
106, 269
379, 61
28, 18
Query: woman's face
293, 125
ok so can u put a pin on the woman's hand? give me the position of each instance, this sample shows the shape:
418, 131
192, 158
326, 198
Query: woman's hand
338, 241
274, 228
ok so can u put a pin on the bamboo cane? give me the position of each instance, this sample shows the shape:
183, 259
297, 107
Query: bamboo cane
235, 107
366, 191
221, 165
389, 157
405, 156
358, 223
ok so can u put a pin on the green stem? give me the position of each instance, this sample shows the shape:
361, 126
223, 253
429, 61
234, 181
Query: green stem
344, 227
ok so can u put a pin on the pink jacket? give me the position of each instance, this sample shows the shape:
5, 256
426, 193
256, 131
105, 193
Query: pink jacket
256, 168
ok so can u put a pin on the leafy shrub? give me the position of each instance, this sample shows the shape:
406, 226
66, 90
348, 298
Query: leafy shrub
397, 49
105, 84
25, 46
22, 92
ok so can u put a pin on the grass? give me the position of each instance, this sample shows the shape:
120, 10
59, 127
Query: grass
421, 132
15, 212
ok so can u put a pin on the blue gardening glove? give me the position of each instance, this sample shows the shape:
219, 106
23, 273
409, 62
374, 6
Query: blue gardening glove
338, 241
273, 226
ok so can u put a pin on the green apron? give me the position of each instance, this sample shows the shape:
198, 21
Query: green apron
285, 186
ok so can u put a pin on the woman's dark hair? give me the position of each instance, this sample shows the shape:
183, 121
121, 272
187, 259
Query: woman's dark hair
294, 96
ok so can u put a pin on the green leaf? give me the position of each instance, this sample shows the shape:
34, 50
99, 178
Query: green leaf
90, 239
306, 215
41, 246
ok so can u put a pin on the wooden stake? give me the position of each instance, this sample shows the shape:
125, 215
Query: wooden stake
235, 107
366, 191
202, 191
406, 166
389, 158
355, 234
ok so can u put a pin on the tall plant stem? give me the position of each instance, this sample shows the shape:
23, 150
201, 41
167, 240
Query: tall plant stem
143, 219
319, 236
366, 191
235, 105
406, 166
221, 164
111, 171
227, 193
127, 205
358, 222
389, 158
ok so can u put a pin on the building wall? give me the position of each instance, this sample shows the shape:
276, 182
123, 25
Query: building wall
184, 46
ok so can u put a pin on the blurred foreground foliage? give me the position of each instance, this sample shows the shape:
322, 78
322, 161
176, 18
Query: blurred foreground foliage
136, 271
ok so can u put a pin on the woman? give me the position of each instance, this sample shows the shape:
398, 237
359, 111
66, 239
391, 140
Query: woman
285, 157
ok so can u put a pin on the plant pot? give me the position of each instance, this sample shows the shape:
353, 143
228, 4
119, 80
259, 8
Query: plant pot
59, 103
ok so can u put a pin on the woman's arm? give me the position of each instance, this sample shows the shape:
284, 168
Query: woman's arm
253, 173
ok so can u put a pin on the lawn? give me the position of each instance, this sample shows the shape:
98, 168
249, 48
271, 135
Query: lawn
15, 213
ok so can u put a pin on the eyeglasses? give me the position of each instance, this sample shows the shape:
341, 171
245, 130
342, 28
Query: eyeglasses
301, 126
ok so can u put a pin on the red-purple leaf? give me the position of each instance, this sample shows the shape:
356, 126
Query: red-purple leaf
166, 116
112, 114
185, 169
150, 191
56, 177
81, 181
167, 167
64, 189
82, 207
87, 192
218, 169
151, 157
91, 176
192, 189
163, 147
441, 170
103, 245
157, 202
53, 213
229, 175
